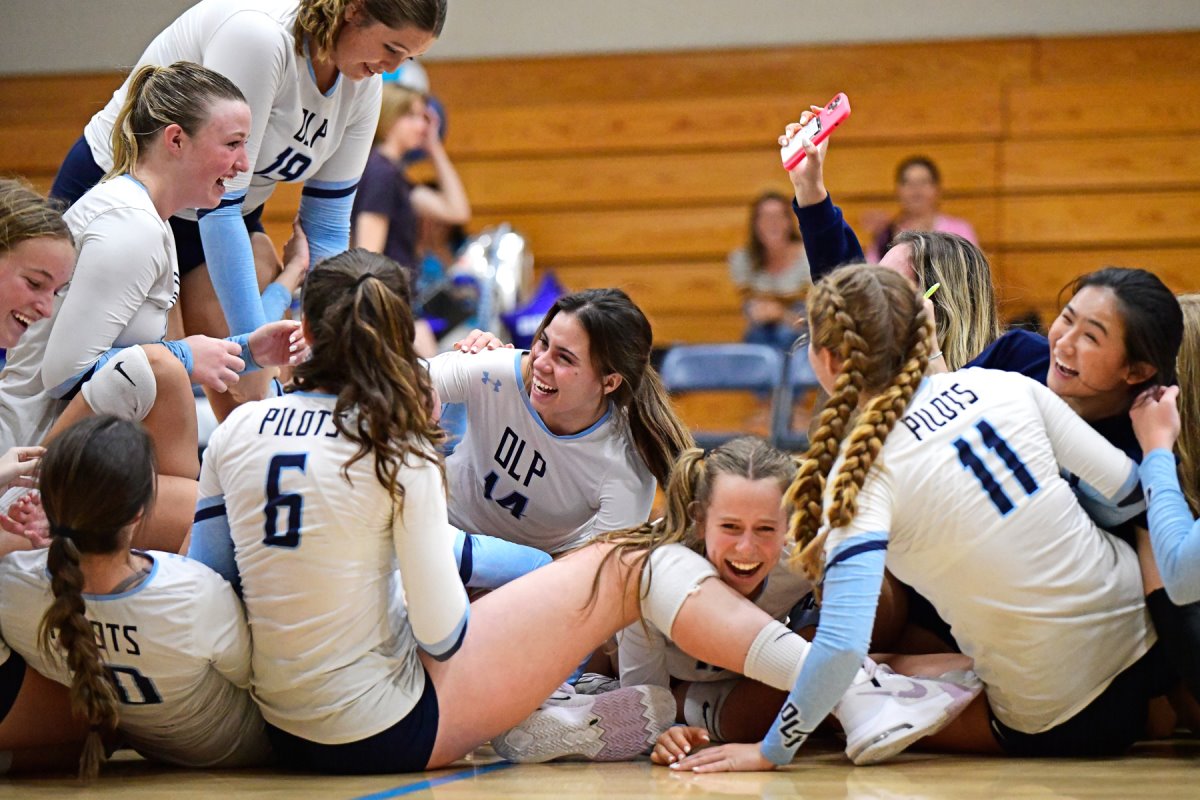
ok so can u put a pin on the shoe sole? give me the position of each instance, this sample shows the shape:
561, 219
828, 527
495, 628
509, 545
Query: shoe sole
896, 740
619, 726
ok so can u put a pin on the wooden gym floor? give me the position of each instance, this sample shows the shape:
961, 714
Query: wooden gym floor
1159, 770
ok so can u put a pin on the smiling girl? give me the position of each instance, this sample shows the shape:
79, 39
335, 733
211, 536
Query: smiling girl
309, 72
179, 136
567, 440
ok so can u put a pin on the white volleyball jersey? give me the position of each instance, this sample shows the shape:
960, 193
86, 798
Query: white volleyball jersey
297, 133
334, 646
176, 646
125, 282
512, 478
648, 656
979, 520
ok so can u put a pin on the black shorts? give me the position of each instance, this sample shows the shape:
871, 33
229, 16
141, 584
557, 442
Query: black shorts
404, 747
80, 172
1107, 726
12, 676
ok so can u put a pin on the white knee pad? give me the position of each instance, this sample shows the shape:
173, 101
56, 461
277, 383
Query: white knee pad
672, 572
703, 703
124, 387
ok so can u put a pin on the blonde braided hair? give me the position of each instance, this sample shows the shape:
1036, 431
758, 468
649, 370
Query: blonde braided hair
878, 327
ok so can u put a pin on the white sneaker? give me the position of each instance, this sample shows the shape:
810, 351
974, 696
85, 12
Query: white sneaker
595, 683
614, 726
884, 715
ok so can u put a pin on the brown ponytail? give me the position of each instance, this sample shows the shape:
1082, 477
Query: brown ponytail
356, 305
96, 477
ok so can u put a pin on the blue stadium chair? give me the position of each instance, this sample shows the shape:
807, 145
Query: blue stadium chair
797, 385
721, 368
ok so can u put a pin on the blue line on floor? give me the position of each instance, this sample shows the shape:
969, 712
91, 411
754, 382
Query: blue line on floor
421, 786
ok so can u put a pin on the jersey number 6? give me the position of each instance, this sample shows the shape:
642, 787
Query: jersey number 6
293, 502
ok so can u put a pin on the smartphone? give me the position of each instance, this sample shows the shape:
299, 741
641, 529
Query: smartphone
817, 129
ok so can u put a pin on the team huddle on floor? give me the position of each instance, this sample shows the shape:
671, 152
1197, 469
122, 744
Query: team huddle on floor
989, 545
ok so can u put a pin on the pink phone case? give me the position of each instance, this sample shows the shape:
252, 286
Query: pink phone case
817, 129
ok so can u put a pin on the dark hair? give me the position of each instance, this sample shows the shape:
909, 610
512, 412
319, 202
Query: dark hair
620, 341
919, 161
1152, 316
180, 94
96, 477
356, 305
754, 245
320, 21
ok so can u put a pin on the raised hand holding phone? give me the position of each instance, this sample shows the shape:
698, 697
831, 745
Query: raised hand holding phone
815, 129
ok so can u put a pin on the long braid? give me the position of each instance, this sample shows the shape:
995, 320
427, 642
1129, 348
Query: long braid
878, 327
808, 488
93, 697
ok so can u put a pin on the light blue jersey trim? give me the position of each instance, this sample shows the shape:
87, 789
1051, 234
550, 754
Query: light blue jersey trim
533, 412
303, 393
312, 74
100, 598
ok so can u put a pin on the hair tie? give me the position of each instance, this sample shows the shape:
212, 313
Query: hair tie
64, 531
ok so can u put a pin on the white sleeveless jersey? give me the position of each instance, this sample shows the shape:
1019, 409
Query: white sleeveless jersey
125, 282
648, 656
979, 521
297, 133
512, 478
335, 656
178, 650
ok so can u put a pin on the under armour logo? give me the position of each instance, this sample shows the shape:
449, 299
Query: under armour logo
117, 367
487, 378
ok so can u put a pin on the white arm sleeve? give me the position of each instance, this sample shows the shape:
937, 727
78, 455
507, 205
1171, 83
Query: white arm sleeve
437, 601
1082, 451
249, 50
450, 373
120, 259
642, 654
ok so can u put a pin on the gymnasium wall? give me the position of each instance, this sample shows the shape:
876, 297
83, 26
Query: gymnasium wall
1066, 153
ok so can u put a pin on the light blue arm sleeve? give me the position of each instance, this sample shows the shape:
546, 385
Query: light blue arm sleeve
852, 580
325, 217
211, 543
231, 265
1174, 535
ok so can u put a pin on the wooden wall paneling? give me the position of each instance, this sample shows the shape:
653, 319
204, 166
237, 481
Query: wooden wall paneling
670, 288
820, 70
69, 99
1129, 219
854, 171
1149, 57
678, 125
1119, 108
35, 150
1036, 277
1104, 163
